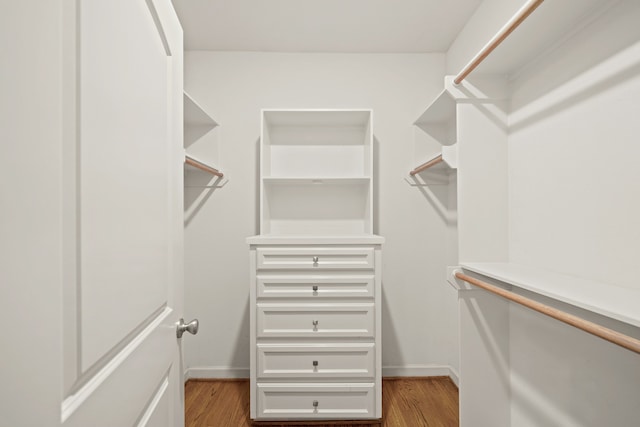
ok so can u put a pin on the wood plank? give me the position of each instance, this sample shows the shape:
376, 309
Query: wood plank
415, 402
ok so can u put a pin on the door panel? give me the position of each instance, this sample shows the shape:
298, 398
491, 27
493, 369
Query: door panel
124, 152
123, 190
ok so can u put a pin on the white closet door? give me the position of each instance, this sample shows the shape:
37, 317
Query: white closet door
125, 193
99, 346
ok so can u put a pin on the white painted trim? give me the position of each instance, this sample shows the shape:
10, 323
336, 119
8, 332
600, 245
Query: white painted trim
144, 421
416, 371
455, 376
73, 402
214, 372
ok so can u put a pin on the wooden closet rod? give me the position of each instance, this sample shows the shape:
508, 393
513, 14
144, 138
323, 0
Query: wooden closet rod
196, 164
600, 331
500, 36
426, 165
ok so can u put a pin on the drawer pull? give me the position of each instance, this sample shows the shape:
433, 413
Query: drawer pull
315, 323
315, 288
315, 363
315, 260
315, 403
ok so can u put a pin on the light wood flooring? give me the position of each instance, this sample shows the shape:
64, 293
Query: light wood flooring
411, 402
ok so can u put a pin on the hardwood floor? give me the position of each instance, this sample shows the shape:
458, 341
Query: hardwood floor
411, 402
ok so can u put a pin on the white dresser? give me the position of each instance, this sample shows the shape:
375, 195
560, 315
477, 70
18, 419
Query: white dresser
315, 327
315, 270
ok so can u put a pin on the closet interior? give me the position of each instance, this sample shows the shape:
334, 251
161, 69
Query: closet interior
527, 157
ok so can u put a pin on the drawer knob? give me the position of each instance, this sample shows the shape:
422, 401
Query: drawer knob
315, 259
315, 363
315, 323
315, 403
315, 288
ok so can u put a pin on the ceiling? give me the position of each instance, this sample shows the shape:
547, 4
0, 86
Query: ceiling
371, 26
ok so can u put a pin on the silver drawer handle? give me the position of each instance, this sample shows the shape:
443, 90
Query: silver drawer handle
315, 403
315, 363
315, 259
315, 323
315, 288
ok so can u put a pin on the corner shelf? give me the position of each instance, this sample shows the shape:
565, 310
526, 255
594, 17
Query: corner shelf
605, 299
194, 114
441, 110
438, 121
199, 143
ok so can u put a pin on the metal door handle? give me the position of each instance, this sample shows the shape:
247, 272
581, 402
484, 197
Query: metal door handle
191, 327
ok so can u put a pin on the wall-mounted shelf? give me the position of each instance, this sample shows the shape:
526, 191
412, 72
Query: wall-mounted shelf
438, 125
195, 115
332, 180
441, 110
605, 299
200, 143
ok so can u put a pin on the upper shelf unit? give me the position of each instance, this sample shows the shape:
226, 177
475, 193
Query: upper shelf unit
199, 140
550, 24
316, 172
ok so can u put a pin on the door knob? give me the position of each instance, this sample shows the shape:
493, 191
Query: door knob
191, 327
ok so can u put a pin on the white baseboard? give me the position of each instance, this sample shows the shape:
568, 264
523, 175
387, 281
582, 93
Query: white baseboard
421, 371
225, 372
215, 372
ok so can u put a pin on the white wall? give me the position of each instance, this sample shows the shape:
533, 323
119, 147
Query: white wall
31, 174
419, 309
574, 208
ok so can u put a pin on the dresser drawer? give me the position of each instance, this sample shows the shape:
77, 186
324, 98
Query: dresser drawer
315, 320
316, 361
319, 401
316, 258
315, 286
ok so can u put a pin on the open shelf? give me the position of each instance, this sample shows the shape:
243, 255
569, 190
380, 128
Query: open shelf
332, 180
316, 168
615, 302
200, 143
194, 114
441, 110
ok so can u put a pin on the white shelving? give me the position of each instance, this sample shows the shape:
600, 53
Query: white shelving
200, 143
315, 283
194, 114
316, 170
441, 110
437, 141
602, 298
